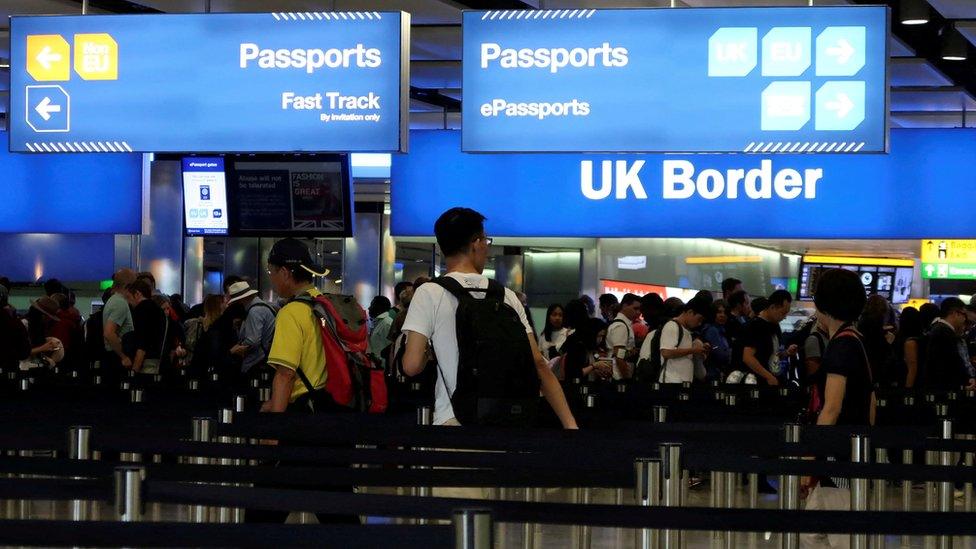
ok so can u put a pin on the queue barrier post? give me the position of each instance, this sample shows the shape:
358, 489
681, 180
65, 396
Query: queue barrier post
789, 493
202, 432
730, 484
528, 528
647, 492
425, 417
227, 515
860, 453
946, 489
907, 457
473, 529
128, 492
968, 460
880, 492
79, 448
671, 489
660, 414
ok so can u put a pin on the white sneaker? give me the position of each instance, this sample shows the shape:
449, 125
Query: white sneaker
751, 379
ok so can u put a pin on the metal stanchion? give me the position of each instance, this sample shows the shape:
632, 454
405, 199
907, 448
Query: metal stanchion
128, 492
907, 456
789, 492
226, 515
647, 492
671, 489
660, 414
860, 453
473, 529
136, 396
586, 532
717, 499
425, 417
730, 485
79, 448
968, 460
202, 432
528, 528
946, 489
880, 493
753, 490
240, 401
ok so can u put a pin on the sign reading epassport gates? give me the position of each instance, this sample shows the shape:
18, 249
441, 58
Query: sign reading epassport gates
924, 186
270, 82
767, 80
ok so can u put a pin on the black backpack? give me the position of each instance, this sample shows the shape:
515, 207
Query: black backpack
649, 370
497, 382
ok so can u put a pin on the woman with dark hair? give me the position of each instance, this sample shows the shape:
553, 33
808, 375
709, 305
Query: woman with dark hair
583, 344
719, 360
907, 346
43, 327
878, 338
554, 334
927, 314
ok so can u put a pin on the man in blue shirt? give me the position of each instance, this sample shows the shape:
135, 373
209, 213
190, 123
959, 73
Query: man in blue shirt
257, 330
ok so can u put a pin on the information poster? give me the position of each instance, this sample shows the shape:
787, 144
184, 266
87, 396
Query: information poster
204, 196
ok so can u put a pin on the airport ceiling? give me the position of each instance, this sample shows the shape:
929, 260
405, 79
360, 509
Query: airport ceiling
926, 91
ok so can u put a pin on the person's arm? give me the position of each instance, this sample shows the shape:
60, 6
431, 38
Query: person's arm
281, 389
416, 355
911, 363
833, 399
618, 346
114, 342
669, 343
720, 349
138, 359
749, 359
550, 387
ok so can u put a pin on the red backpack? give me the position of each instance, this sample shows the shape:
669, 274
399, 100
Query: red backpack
352, 380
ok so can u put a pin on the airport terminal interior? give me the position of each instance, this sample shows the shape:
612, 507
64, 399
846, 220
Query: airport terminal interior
488, 273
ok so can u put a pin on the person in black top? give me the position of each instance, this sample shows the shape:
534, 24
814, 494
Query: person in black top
150, 327
946, 365
879, 336
907, 346
849, 397
760, 340
652, 309
583, 347
14, 343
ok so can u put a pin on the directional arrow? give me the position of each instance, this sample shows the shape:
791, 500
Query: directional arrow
843, 105
928, 269
45, 108
843, 51
45, 57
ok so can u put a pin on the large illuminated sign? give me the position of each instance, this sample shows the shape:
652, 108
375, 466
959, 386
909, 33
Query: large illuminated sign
763, 80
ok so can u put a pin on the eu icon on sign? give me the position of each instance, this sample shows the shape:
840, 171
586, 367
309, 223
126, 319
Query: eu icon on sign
48, 109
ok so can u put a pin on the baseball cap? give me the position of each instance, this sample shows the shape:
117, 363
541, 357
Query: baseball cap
292, 253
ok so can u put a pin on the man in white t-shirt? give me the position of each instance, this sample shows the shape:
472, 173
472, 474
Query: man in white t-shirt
679, 348
431, 318
620, 336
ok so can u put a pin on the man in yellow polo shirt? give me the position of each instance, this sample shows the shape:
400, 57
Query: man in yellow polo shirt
297, 341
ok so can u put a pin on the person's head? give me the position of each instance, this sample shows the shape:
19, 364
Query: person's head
139, 291
694, 313
62, 301
876, 310
706, 296
673, 307
213, 307
176, 299
240, 292
380, 305
106, 295
554, 319
229, 281
630, 307
40, 317
4, 296
402, 291
730, 286
910, 323
927, 314
953, 311
291, 268
651, 306
739, 303
461, 236
164, 303
149, 279
575, 315
608, 304
121, 280
839, 297
780, 303
758, 305
53, 286
589, 304
420, 281
598, 334
720, 312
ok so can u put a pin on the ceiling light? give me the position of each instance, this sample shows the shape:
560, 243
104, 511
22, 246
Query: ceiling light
955, 47
913, 12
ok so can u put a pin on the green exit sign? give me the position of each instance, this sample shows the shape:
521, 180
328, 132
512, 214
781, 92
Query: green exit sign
943, 271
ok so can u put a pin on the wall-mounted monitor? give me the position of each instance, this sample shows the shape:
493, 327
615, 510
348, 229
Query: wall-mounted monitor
889, 278
268, 195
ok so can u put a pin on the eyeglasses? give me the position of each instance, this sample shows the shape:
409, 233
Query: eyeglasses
489, 240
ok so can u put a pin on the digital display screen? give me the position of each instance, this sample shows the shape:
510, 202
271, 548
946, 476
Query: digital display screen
892, 283
204, 196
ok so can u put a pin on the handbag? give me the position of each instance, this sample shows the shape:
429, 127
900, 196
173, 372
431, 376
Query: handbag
150, 366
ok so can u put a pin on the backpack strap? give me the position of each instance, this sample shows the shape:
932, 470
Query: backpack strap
273, 312
664, 361
494, 290
850, 331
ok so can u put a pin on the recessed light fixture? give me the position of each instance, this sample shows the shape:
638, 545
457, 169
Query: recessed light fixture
913, 12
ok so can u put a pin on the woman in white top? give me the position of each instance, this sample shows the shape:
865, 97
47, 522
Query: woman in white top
554, 334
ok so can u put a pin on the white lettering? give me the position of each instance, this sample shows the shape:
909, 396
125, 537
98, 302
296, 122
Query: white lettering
553, 59
717, 184
586, 180
630, 179
759, 182
679, 182
310, 60
788, 184
672, 177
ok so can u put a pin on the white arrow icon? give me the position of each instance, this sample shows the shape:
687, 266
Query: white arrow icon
45, 108
929, 269
843, 51
843, 105
45, 57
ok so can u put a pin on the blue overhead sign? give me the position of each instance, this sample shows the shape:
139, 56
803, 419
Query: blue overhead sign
924, 186
269, 82
768, 80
